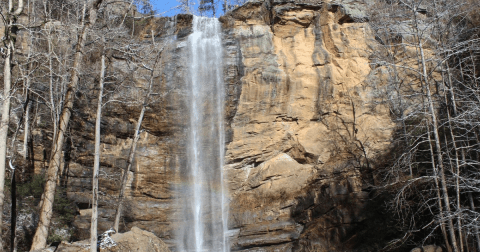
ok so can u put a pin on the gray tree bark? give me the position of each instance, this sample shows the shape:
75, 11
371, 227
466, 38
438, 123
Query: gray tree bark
438, 151
131, 156
41, 234
133, 148
10, 35
96, 164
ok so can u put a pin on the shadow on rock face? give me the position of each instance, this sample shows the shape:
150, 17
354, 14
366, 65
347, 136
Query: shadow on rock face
339, 212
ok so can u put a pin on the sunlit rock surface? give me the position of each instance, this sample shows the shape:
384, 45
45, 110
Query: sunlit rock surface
307, 129
133, 240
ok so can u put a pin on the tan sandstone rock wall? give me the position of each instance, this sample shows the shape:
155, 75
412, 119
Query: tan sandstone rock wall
306, 127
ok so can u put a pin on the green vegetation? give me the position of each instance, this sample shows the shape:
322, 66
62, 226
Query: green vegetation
32, 188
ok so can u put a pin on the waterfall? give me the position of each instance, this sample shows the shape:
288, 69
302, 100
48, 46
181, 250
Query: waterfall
203, 201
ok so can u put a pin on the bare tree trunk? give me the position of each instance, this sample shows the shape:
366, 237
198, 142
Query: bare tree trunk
10, 35
433, 117
54, 110
126, 13
133, 148
26, 129
438, 151
13, 191
457, 162
434, 166
96, 164
41, 234
470, 197
472, 206
474, 70
4, 131
13, 227
131, 156
439, 195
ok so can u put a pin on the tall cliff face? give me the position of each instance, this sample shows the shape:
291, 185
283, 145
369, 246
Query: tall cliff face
304, 129
161, 151
308, 126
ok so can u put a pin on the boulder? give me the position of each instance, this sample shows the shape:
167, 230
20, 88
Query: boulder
134, 240
428, 248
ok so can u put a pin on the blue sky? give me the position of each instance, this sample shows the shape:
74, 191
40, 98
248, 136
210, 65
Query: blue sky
164, 7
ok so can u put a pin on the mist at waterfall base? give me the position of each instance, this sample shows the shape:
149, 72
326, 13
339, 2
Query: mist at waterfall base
202, 201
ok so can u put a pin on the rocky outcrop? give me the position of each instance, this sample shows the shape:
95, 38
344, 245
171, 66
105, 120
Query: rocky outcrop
304, 128
133, 240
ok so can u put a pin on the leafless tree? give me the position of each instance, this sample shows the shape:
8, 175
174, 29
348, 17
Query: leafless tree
111, 39
11, 28
147, 99
96, 164
417, 42
184, 6
89, 18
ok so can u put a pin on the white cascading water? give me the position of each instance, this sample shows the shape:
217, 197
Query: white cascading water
203, 202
